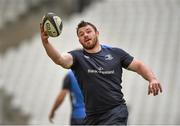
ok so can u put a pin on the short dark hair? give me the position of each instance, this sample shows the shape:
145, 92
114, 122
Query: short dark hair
83, 24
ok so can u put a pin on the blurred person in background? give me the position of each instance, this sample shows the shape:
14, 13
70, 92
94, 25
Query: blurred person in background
71, 86
98, 69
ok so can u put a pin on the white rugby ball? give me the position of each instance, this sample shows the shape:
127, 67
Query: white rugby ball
52, 24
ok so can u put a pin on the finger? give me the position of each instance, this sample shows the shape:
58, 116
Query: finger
41, 27
156, 92
149, 90
159, 85
45, 33
50, 118
46, 36
51, 121
156, 89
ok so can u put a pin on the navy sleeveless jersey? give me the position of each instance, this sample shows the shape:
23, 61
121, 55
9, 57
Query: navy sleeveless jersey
77, 100
99, 75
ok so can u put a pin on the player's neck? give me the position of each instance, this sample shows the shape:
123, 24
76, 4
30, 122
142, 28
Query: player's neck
96, 49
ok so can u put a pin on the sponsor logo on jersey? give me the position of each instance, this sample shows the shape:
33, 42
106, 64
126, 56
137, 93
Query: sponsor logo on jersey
100, 70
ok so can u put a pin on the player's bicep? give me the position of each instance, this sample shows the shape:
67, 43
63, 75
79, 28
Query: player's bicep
66, 61
134, 65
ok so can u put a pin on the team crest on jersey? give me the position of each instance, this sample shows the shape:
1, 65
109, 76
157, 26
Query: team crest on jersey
108, 57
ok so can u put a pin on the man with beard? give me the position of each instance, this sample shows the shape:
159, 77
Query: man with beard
98, 69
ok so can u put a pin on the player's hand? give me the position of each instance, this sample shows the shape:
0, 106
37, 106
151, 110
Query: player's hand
154, 87
51, 116
44, 36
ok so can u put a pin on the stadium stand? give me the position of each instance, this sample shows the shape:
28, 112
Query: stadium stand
149, 30
12, 9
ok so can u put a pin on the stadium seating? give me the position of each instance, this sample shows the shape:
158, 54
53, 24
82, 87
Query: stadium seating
10, 10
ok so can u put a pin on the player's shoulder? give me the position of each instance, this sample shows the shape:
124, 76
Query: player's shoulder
112, 48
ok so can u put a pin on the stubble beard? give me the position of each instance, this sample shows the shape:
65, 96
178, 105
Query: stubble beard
91, 46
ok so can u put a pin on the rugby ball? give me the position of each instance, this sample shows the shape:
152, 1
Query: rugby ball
52, 24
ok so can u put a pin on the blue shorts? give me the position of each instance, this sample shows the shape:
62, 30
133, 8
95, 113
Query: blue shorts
116, 116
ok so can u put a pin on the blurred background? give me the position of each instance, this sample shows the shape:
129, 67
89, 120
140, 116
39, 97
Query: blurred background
29, 81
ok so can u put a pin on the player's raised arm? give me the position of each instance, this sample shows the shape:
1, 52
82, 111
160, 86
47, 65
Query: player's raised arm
65, 60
